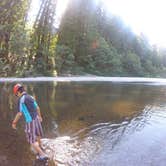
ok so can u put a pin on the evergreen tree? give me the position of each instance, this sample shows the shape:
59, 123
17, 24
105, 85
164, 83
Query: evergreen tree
13, 37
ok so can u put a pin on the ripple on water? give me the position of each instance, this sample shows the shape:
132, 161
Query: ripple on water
138, 141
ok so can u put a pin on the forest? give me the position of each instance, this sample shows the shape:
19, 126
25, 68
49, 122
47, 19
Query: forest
88, 41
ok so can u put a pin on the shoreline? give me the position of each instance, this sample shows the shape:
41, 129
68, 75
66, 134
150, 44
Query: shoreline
85, 79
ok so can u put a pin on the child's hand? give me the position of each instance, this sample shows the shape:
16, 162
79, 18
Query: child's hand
14, 126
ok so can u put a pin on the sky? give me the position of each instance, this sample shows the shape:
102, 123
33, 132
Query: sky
143, 16
60, 9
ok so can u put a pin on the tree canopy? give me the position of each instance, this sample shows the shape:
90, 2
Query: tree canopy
88, 40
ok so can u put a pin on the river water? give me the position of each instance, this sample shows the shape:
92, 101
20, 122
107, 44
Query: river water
89, 122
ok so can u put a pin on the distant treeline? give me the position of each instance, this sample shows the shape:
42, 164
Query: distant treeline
88, 41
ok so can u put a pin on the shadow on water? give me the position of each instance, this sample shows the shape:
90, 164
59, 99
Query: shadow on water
97, 123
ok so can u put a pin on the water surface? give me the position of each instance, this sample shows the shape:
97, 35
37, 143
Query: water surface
107, 123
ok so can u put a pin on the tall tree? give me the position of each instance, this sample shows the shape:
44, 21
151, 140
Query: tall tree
75, 26
12, 20
44, 35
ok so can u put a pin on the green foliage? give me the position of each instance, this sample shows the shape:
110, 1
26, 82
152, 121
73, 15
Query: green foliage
132, 64
13, 39
43, 39
19, 41
88, 41
103, 60
64, 58
149, 68
103, 45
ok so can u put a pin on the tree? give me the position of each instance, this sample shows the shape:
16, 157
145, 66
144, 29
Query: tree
132, 64
43, 37
64, 58
12, 22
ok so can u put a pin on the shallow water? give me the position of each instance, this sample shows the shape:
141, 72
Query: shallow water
106, 122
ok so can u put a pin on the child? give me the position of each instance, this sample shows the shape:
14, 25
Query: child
31, 111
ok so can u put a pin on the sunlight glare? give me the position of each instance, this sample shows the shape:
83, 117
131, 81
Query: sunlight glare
147, 17
35, 5
61, 6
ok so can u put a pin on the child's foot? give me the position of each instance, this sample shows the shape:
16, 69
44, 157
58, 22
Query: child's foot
37, 156
42, 157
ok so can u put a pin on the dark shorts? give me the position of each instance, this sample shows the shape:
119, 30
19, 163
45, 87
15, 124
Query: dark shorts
33, 130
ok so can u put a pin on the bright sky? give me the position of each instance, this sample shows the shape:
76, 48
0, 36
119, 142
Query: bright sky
61, 6
147, 16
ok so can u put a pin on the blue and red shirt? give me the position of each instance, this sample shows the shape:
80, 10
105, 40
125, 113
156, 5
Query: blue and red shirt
28, 106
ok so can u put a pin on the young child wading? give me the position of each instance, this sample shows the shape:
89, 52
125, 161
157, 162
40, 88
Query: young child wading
31, 111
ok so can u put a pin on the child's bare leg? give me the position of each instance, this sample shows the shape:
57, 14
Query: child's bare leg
36, 146
39, 140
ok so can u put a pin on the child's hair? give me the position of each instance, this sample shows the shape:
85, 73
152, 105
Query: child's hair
21, 89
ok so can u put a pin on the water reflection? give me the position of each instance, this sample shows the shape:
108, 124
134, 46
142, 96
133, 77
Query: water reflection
103, 121
140, 142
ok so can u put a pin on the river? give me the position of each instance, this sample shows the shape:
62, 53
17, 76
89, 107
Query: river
89, 122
